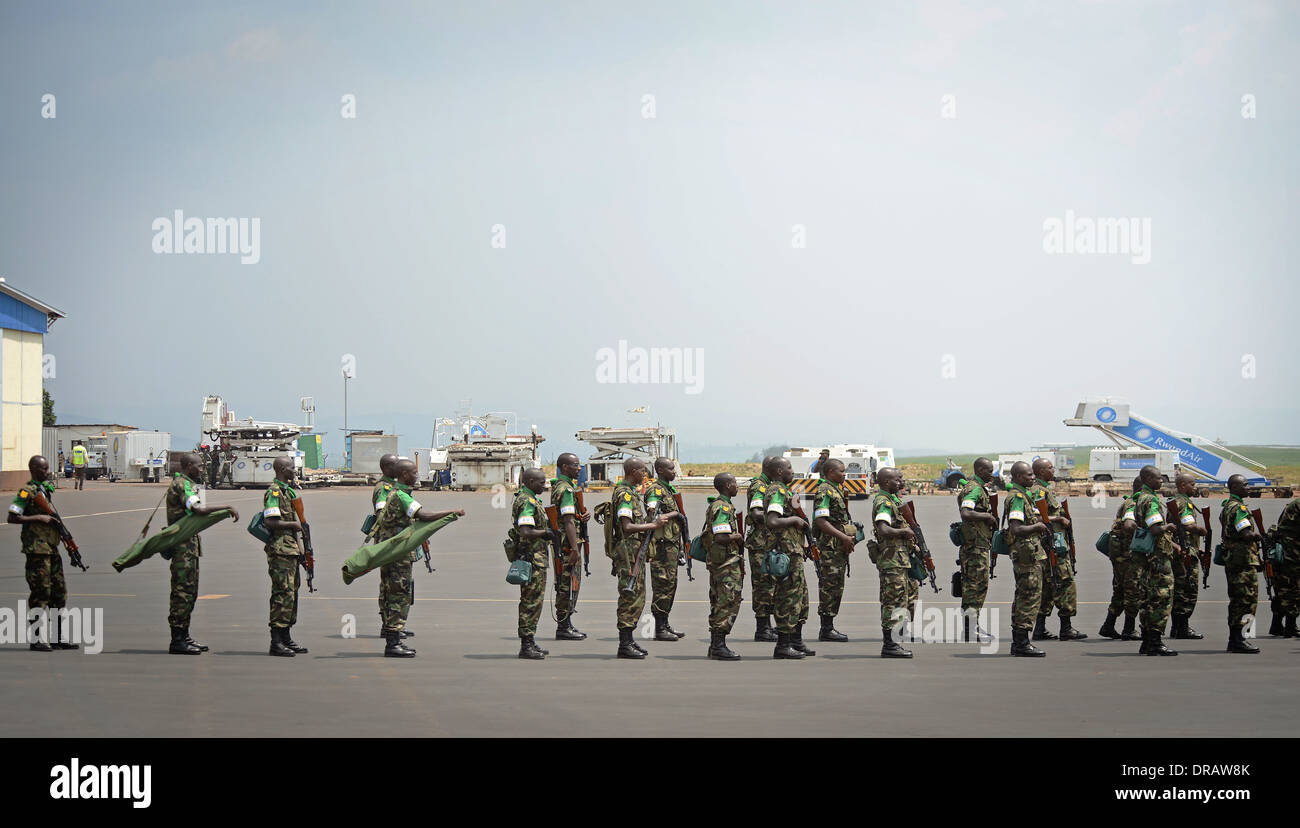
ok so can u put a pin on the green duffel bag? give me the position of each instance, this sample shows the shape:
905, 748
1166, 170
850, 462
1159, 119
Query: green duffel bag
397, 548
1143, 543
169, 538
776, 563
697, 551
1103, 543
520, 572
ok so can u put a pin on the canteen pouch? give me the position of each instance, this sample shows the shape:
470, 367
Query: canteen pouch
1276, 555
257, 528
917, 570
1103, 543
511, 549
1144, 543
1000, 546
1060, 544
697, 550
520, 572
954, 534
776, 563
369, 523
1220, 556
860, 535
873, 550
956, 583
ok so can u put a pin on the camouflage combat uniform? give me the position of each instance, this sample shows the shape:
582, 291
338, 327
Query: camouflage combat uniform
667, 547
395, 578
378, 500
282, 555
528, 511
829, 502
626, 503
759, 539
893, 559
182, 496
1286, 575
1157, 574
1126, 580
1067, 600
975, 553
790, 597
725, 562
1027, 558
564, 499
1186, 567
1242, 562
40, 544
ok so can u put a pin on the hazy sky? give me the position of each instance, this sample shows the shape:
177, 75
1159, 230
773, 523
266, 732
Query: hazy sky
924, 233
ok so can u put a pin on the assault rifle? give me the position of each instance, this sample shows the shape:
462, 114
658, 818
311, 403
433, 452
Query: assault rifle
1205, 555
640, 553
583, 537
308, 557
993, 554
686, 536
1176, 521
1049, 545
1263, 548
1069, 531
74, 554
908, 513
813, 552
740, 527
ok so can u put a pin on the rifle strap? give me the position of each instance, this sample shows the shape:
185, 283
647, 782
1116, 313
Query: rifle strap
145, 530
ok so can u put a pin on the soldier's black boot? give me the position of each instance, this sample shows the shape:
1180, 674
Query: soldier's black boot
1040, 630
763, 631
1020, 645
565, 631
796, 641
719, 650
1289, 628
828, 631
982, 636
394, 648
1108, 627
1156, 647
965, 629
1275, 628
891, 648
203, 648
277, 644
784, 648
528, 649
669, 628
1145, 649
58, 643
661, 629
405, 633
1069, 633
286, 639
37, 644
627, 647
1130, 624
1238, 644
179, 645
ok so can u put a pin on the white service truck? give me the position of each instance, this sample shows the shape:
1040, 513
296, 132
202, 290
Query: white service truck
1121, 465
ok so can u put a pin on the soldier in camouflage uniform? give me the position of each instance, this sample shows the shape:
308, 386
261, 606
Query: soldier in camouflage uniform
978, 523
1146, 511
836, 536
378, 500
1186, 567
627, 510
1025, 533
759, 539
400, 509
282, 555
891, 550
529, 531
790, 599
1125, 582
40, 544
182, 499
667, 553
1067, 599
725, 550
1286, 575
564, 500
1242, 562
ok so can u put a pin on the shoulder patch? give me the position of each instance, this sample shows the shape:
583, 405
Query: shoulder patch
22, 493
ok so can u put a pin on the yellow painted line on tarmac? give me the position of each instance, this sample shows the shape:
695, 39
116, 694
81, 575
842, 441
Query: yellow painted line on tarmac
208, 597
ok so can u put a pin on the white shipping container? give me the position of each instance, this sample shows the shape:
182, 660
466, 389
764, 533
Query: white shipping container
368, 448
137, 455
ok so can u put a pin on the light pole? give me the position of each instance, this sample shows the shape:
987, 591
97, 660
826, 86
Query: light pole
347, 448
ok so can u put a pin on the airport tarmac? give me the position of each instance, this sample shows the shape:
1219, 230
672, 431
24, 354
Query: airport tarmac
467, 681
